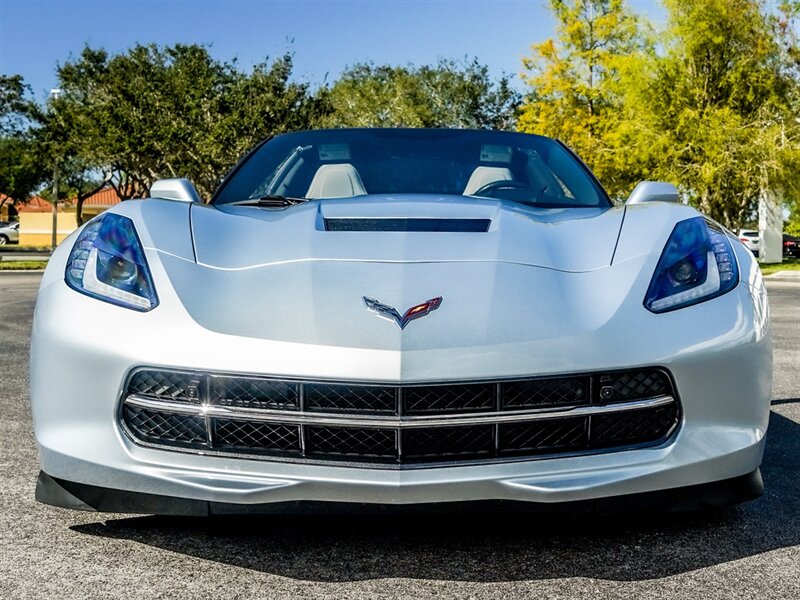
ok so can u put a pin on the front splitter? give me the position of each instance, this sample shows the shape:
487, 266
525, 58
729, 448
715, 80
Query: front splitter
716, 494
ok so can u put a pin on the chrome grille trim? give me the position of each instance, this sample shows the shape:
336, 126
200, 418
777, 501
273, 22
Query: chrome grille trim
338, 419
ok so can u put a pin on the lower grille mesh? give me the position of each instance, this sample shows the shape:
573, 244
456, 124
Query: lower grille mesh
630, 427
247, 423
351, 441
166, 428
448, 442
543, 436
252, 435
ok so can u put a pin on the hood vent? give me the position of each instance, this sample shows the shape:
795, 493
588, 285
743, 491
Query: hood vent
420, 225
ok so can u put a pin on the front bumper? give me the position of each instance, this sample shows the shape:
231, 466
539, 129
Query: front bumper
719, 353
722, 378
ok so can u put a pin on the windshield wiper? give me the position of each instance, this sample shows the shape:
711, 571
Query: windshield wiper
556, 205
270, 201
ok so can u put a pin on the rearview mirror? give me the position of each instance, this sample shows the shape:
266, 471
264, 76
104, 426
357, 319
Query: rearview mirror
174, 189
653, 191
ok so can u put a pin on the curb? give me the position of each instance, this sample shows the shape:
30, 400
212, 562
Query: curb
789, 275
17, 258
20, 271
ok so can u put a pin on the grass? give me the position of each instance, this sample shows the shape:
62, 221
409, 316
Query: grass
22, 265
788, 264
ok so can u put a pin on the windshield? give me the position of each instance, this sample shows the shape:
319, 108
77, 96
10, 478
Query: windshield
344, 163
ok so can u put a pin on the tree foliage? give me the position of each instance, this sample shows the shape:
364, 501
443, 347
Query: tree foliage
447, 94
22, 168
15, 107
578, 81
720, 104
712, 108
21, 165
156, 112
710, 103
153, 112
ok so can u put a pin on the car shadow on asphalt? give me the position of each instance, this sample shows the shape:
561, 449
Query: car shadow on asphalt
492, 548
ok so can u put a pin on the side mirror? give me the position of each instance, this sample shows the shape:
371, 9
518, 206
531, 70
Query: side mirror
174, 189
653, 191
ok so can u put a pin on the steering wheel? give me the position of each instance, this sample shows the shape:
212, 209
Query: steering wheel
503, 184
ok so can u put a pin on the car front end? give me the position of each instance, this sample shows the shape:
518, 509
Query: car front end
365, 357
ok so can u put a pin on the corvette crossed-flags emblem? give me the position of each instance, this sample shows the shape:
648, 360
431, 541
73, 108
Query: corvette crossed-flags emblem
390, 313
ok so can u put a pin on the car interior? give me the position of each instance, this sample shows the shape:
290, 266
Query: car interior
530, 181
536, 172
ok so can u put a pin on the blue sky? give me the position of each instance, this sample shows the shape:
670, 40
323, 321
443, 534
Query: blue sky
325, 35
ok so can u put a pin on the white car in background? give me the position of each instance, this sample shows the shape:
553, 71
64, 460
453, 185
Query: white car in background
751, 240
9, 233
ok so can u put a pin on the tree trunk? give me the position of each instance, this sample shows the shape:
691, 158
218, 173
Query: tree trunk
82, 197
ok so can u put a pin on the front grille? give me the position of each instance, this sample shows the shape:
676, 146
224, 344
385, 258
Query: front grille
448, 399
567, 391
634, 384
620, 428
545, 436
352, 441
346, 398
436, 443
256, 436
166, 428
399, 425
251, 392
169, 385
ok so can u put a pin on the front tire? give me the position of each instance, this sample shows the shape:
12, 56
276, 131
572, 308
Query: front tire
3, 239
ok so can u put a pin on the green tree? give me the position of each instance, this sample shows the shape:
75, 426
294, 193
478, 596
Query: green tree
15, 107
447, 94
21, 167
789, 39
578, 82
253, 106
153, 112
719, 106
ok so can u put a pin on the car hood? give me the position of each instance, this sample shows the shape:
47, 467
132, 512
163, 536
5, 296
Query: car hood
573, 239
539, 280
282, 275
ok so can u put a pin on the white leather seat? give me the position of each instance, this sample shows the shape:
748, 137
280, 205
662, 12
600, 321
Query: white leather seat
336, 181
483, 175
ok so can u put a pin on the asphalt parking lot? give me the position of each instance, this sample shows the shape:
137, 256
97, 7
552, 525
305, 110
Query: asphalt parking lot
745, 552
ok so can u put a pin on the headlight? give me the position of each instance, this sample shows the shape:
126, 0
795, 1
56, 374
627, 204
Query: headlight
107, 262
696, 265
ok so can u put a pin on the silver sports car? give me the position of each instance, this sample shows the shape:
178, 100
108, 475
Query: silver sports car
388, 317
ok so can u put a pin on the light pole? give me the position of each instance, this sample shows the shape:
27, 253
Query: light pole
54, 93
